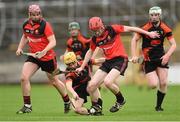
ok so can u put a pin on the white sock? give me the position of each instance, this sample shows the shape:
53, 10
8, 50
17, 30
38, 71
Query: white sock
27, 105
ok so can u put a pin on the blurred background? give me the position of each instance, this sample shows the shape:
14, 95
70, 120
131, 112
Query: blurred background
60, 12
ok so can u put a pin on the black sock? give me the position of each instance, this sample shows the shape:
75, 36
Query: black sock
66, 98
27, 100
93, 103
119, 97
99, 102
160, 97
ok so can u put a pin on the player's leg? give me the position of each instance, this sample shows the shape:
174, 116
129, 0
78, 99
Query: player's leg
59, 85
161, 92
152, 79
62, 77
94, 84
28, 70
151, 74
109, 82
94, 93
96, 81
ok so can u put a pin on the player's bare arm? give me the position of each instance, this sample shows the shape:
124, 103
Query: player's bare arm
139, 30
95, 53
22, 43
86, 60
134, 41
165, 58
70, 89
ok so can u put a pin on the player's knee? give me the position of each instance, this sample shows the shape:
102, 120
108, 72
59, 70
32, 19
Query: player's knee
107, 83
90, 88
24, 79
152, 85
53, 81
163, 84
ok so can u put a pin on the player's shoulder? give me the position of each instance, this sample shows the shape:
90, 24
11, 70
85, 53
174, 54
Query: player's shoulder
69, 74
83, 38
69, 41
26, 21
164, 26
146, 26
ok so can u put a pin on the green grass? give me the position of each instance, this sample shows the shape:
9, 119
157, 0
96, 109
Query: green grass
48, 106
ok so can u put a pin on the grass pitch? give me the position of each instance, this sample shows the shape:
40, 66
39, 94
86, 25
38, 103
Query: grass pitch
48, 105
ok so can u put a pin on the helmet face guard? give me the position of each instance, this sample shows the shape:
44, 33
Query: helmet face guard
96, 26
97, 33
74, 28
155, 14
35, 12
74, 25
155, 10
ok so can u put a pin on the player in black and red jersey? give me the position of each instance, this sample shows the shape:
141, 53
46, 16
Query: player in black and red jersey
77, 42
39, 36
76, 83
109, 40
156, 59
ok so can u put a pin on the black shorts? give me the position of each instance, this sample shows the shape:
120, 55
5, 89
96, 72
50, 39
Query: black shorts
47, 66
150, 66
81, 91
119, 63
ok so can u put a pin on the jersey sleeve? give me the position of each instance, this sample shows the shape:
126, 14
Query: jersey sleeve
83, 38
68, 45
48, 30
70, 75
118, 28
167, 31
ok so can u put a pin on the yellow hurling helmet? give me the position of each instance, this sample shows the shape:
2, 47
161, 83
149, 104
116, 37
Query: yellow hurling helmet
70, 57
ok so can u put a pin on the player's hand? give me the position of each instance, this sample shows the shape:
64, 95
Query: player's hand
134, 59
165, 59
19, 52
78, 70
40, 54
62, 58
55, 72
154, 34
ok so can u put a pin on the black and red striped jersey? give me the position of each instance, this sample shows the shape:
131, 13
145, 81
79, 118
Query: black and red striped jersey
79, 46
37, 35
110, 42
153, 48
79, 78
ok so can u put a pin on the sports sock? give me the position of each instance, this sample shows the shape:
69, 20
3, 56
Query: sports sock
66, 98
27, 100
119, 97
100, 102
93, 103
160, 97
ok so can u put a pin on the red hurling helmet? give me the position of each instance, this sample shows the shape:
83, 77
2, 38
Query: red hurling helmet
34, 8
95, 23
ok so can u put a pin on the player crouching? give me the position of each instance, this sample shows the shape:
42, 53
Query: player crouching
76, 84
